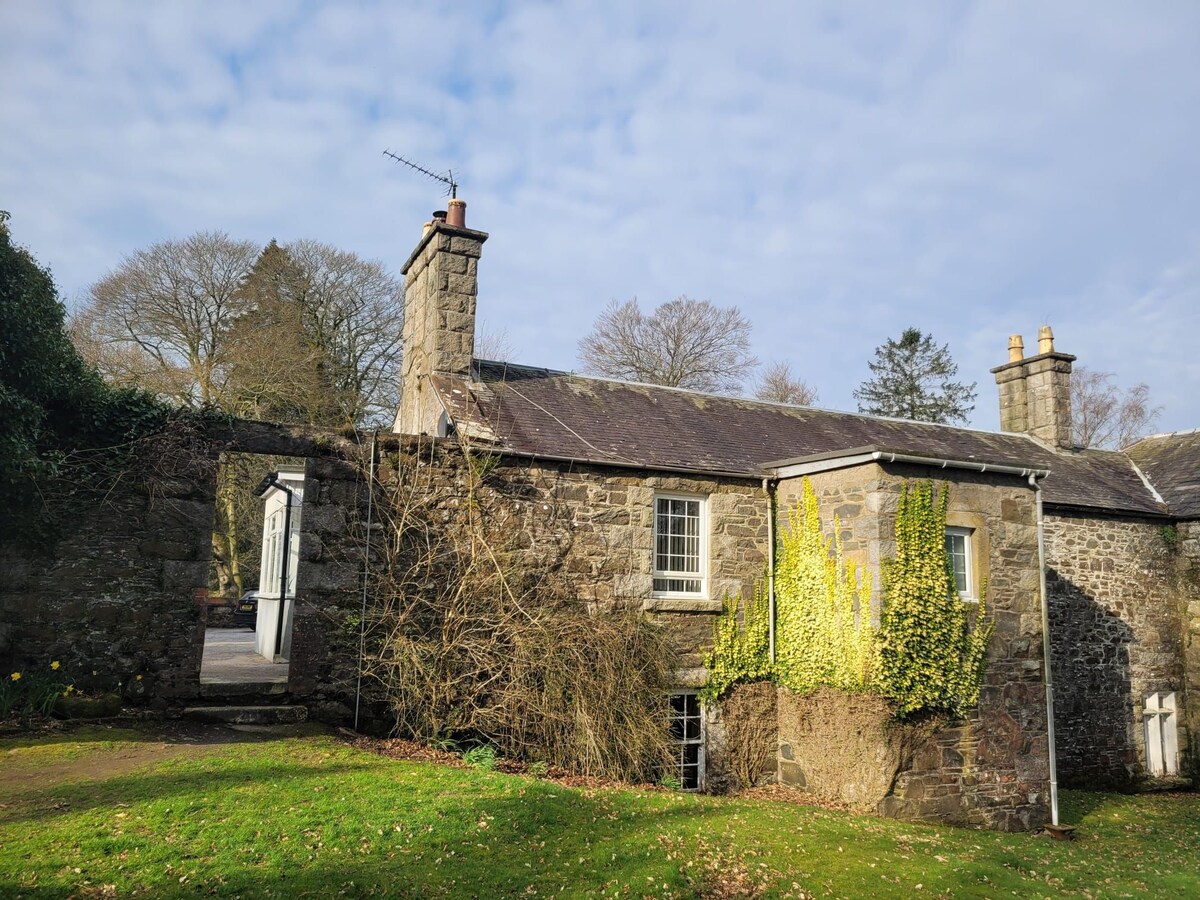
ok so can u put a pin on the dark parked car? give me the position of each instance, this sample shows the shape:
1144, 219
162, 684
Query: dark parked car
245, 613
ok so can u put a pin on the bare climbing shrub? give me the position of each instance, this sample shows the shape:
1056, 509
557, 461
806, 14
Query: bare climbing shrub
475, 635
751, 730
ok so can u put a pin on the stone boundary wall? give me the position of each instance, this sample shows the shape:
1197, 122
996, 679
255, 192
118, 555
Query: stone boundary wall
122, 594
1116, 623
119, 600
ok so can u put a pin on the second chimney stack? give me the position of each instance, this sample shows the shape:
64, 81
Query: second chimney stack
1035, 392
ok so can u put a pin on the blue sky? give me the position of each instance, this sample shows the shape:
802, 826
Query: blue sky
838, 171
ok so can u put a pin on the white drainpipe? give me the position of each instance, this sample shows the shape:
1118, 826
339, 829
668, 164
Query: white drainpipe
770, 568
1041, 532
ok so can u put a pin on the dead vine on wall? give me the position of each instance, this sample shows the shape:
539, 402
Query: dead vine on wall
476, 637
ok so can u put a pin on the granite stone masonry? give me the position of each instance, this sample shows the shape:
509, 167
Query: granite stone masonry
993, 768
1117, 635
119, 600
1187, 545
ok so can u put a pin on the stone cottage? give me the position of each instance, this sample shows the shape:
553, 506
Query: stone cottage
1092, 558
672, 492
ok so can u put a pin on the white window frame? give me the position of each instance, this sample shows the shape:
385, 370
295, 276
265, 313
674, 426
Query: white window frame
1159, 713
970, 595
683, 742
702, 574
268, 578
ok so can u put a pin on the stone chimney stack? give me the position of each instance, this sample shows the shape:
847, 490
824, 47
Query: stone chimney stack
440, 285
1035, 391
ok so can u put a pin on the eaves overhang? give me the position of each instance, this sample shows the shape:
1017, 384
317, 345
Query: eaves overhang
857, 456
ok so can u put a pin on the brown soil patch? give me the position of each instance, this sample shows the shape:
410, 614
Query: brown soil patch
153, 742
399, 748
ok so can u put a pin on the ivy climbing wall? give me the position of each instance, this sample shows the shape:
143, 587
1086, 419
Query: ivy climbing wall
992, 767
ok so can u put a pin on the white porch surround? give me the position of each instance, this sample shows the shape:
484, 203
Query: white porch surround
275, 513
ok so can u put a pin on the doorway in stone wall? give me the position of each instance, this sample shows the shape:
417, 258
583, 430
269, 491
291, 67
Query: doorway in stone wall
253, 573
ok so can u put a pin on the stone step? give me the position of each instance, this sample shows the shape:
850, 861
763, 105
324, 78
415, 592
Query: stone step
248, 715
217, 688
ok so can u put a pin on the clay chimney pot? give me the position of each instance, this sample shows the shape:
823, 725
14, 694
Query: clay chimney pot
1045, 339
456, 215
1016, 348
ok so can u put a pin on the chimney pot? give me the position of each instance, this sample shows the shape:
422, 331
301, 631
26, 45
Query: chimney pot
457, 213
1045, 340
1016, 348
439, 215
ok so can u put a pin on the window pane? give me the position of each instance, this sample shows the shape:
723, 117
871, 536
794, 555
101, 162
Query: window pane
677, 545
956, 549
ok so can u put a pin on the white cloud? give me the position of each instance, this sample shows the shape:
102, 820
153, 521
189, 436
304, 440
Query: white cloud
839, 172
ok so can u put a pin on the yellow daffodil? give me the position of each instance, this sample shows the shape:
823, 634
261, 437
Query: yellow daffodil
15, 676
54, 665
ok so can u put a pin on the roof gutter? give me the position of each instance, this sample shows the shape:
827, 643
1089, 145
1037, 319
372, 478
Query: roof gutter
824, 465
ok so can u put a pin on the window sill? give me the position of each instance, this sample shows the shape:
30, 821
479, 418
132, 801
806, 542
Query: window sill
678, 604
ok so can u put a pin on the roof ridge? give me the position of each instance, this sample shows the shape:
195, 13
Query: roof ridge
1162, 434
758, 402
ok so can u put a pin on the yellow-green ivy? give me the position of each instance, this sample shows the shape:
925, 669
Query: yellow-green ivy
822, 617
740, 645
823, 633
925, 654
930, 656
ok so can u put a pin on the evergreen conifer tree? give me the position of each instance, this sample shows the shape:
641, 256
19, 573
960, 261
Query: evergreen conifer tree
912, 379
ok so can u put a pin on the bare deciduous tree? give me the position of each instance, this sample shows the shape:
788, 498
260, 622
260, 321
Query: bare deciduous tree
684, 343
778, 385
161, 319
352, 309
492, 344
305, 331
1105, 415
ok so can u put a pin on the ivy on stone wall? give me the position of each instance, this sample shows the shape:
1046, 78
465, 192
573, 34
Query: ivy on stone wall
930, 655
740, 645
823, 628
823, 633
925, 654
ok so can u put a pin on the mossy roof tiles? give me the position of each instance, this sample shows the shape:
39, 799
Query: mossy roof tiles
544, 413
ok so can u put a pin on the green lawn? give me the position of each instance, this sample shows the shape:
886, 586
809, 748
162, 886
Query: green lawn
110, 813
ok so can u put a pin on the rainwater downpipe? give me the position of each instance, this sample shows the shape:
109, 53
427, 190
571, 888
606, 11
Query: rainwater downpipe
770, 494
362, 625
1049, 678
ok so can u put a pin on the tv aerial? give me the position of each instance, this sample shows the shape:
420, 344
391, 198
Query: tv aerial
447, 179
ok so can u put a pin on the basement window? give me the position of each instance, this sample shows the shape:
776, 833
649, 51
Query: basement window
958, 549
680, 546
687, 730
1162, 739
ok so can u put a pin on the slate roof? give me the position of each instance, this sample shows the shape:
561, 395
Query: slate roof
1172, 464
548, 414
